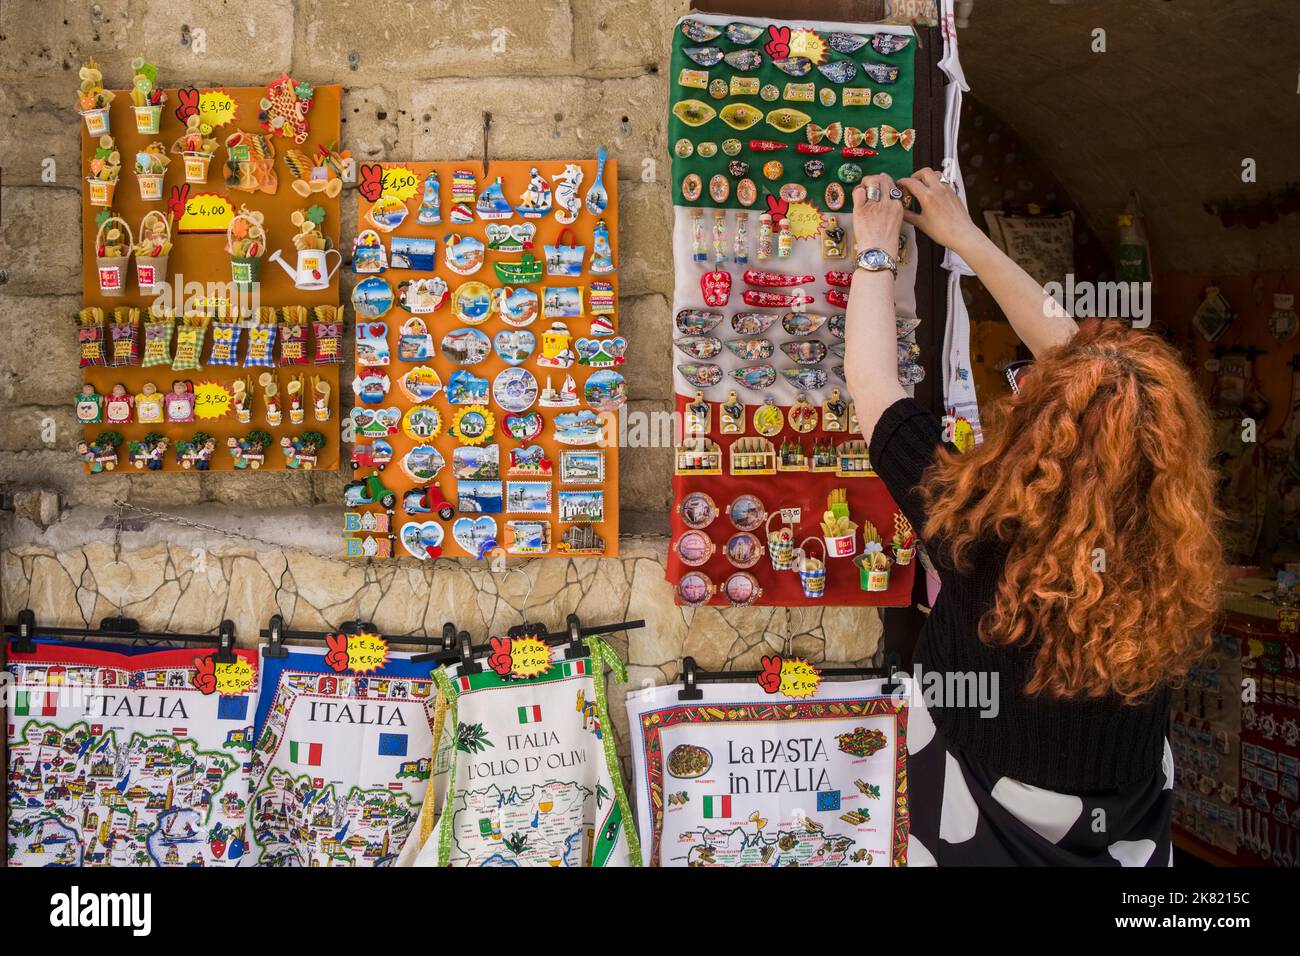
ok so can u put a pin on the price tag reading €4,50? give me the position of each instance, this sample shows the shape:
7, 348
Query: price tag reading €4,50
529, 657
234, 678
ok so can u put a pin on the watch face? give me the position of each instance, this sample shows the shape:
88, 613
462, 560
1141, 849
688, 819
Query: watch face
874, 259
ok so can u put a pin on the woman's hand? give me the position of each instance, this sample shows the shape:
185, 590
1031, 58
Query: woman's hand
876, 222
943, 216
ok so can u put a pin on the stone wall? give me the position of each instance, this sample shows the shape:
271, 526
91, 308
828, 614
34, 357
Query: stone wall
560, 77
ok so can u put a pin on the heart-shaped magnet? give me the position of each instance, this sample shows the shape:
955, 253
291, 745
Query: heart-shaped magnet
422, 539
601, 353
523, 428
476, 535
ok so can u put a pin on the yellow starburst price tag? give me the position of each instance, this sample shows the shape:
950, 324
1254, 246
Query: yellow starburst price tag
799, 679
529, 657
805, 220
234, 678
211, 401
217, 108
400, 182
366, 652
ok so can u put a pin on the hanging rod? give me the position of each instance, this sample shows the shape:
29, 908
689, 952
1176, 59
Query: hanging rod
116, 628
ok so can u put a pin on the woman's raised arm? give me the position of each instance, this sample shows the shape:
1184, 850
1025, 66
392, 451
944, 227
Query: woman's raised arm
1038, 319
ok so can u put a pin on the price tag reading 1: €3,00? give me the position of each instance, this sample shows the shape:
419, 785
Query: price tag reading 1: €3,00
234, 678
366, 652
529, 657
798, 679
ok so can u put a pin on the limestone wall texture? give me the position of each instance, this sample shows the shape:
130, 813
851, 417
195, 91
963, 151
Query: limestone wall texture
560, 77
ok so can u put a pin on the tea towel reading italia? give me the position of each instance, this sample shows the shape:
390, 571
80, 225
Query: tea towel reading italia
742, 778
124, 756
342, 760
534, 778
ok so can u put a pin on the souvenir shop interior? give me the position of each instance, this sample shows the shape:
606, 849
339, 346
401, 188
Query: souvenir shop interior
431, 445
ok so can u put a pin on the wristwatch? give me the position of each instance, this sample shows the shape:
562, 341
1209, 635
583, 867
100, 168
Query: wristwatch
877, 260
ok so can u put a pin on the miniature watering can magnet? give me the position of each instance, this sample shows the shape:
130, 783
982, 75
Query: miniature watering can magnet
313, 270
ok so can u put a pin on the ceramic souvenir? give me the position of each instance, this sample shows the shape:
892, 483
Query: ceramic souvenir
510, 238
757, 377
371, 386
473, 424
567, 202
597, 199
524, 428
694, 588
422, 539
515, 389
472, 303
466, 388
804, 379
463, 255
600, 353
526, 270
372, 343
535, 201
421, 384
411, 252
700, 346
517, 307
605, 391
697, 510
583, 427
808, 352
368, 254
492, 202
372, 298
414, 343
564, 397
700, 375
752, 350
430, 213
694, 548
802, 323
731, 415
514, 346
556, 347
422, 463
696, 321
387, 213
768, 418
699, 32
466, 346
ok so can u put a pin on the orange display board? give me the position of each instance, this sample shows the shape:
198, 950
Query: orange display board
542, 475
198, 265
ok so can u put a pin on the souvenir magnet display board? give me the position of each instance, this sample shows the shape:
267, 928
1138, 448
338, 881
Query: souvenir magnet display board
129, 756
231, 187
342, 759
489, 363
772, 124
747, 778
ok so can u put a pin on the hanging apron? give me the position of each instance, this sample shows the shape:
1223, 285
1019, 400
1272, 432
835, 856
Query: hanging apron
127, 756
533, 777
744, 778
342, 761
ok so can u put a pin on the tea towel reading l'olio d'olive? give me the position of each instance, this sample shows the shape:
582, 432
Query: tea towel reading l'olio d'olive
533, 778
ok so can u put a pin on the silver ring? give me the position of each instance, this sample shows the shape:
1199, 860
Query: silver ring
873, 193
895, 193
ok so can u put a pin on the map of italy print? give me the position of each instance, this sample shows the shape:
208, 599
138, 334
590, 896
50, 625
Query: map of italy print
117, 758
342, 760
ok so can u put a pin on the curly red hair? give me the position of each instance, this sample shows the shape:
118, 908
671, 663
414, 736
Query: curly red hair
1097, 477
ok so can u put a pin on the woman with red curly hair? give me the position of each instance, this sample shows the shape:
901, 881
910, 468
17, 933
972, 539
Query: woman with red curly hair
1078, 556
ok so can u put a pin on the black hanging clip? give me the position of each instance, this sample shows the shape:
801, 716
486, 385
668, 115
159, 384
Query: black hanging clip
225, 653
690, 689
467, 663
575, 649
275, 648
527, 630
449, 636
21, 642
119, 625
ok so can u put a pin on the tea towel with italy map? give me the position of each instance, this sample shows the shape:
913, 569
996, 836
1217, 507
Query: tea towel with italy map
533, 779
746, 778
127, 756
342, 760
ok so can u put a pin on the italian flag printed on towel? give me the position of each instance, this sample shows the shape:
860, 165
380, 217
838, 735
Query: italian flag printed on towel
531, 714
304, 753
717, 808
126, 757
354, 802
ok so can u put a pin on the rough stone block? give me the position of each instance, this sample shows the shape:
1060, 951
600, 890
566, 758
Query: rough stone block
40, 235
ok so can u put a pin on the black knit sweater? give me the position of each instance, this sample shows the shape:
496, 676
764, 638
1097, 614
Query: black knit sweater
1084, 745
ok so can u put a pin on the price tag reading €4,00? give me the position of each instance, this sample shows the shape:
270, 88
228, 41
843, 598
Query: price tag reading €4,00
234, 678
529, 657
366, 652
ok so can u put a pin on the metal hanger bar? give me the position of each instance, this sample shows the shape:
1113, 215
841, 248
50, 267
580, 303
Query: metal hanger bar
44, 631
723, 677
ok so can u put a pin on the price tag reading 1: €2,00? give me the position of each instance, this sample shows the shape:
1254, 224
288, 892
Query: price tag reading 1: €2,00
366, 652
799, 679
234, 678
529, 657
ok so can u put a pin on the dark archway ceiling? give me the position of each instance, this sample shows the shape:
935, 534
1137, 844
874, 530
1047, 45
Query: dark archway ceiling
1186, 90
